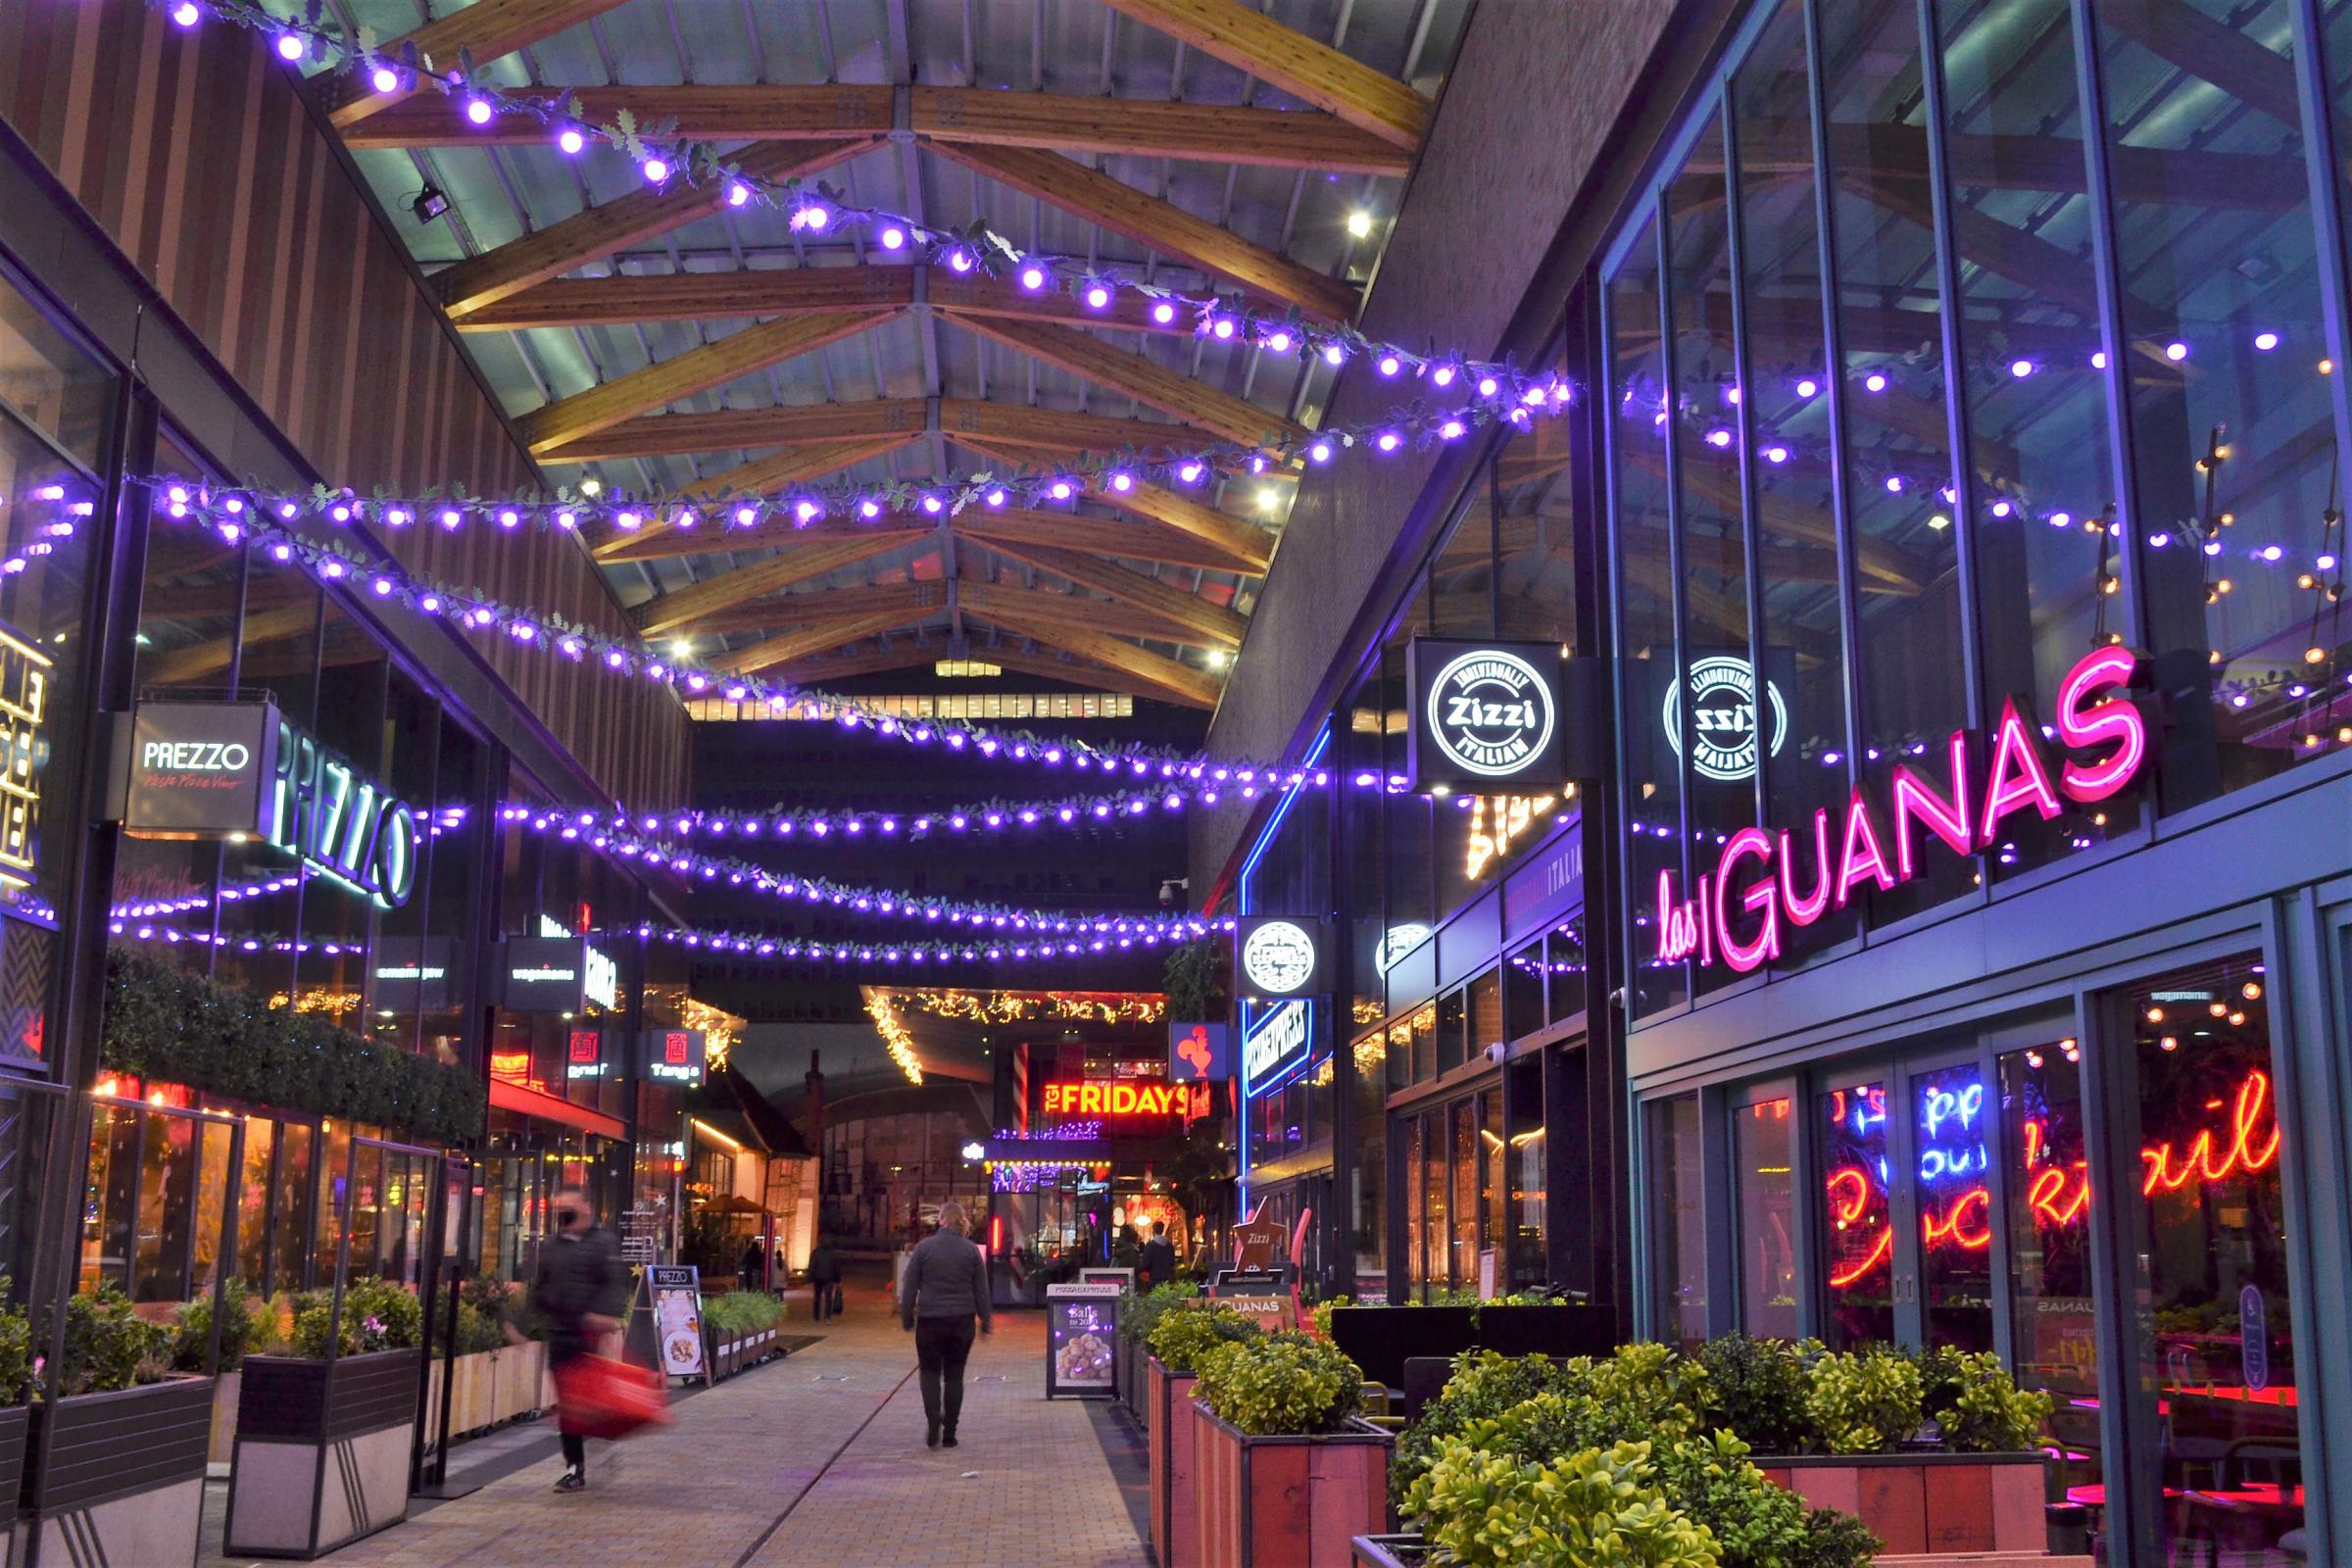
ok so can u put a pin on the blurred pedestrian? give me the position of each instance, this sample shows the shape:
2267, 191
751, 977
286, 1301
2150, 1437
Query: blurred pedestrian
945, 1288
824, 1277
582, 1292
748, 1266
1160, 1256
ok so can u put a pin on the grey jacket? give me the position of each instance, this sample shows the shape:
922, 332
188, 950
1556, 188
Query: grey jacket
946, 1277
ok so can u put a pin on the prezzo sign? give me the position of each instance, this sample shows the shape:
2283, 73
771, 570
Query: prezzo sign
1482, 713
1874, 846
1280, 1037
202, 768
1276, 956
23, 755
1726, 733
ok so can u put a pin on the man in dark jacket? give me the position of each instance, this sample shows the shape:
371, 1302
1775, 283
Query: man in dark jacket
824, 1274
1160, 1256
582, 1290
945, 1287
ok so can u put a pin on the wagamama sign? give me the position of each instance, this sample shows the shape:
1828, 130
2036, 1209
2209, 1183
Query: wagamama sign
2096, 745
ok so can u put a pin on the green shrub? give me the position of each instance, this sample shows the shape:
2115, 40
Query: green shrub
1649, 1388
1484, 1386
1755, 1524
1185, 1334
15, 1347
1865, 1402
1596, 1509
1278, 1383
1141, 1315
739, 1314
193, 1334
1977, 1405
108, 1345
1757, 1388
377, 1316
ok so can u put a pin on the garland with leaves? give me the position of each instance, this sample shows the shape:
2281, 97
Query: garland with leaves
172, 1025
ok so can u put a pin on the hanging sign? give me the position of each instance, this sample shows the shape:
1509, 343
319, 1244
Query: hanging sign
674, 1056
1278, 1039
1278, 956
1877, 844
584, 1055
1199, 1053
545, 974
1483, 713
1729, 727
1125, 1101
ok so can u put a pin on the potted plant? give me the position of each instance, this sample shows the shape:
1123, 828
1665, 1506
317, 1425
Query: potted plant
1284, 1471
15, 1377
1181, 1334
1137, 1316
242, 1332
116, 1463
347, 1393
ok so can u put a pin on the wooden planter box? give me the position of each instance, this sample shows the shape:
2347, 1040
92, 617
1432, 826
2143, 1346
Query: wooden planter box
1387, 1551
118, 1477
487, 1387
16, 1422
1926, 1503
1408, 1551
323, 1451
1286, 1501
1175, 1533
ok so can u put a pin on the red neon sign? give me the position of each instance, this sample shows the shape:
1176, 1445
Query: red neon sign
1127, 1097
1877, 845
2241, 1156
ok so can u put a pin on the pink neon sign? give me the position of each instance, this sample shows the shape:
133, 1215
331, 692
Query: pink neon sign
2101, 744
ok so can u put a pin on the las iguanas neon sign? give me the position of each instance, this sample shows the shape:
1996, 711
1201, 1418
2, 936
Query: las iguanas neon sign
1878, 845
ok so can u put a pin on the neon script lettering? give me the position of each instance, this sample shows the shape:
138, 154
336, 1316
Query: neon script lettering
1738, 912
1122, 1098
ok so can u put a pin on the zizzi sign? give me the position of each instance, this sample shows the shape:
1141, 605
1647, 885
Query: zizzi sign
230, 768
1280, 1037
1483, 713
2099, 744
1728, 727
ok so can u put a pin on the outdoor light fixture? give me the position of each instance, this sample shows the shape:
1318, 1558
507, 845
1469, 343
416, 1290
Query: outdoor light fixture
1359, 224
974, 1152
428, 203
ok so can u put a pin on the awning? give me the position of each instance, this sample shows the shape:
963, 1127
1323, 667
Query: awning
506, 1096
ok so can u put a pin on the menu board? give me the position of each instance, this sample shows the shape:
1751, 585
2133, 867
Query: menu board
677, 1291
640, 1235
1082, 1323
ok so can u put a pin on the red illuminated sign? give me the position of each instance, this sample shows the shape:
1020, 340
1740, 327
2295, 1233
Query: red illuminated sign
584, 1054
1127, 1099
1875, 844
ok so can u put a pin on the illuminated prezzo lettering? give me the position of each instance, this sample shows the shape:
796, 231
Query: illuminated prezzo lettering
1760, 884
326, 816
23, 755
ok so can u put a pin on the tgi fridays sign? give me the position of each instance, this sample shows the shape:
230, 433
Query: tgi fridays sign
2096, 745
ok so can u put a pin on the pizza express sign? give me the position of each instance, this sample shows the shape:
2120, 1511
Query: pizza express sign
1765, 882
1483, 713
199, 769
1275, 955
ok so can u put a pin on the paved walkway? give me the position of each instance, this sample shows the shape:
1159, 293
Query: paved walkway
816, 1461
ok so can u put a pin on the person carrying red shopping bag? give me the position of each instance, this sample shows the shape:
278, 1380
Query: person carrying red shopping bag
582, 1290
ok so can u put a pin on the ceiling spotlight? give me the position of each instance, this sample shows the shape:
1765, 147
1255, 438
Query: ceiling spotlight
1359, 224
428, 203
1268, 498
1217, 659
592, 486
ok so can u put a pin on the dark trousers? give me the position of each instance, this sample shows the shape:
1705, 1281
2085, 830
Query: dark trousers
942, 1345
562, 1348
824, 1299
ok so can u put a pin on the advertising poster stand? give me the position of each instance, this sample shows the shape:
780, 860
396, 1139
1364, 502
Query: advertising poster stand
665, 1321
1082, 1323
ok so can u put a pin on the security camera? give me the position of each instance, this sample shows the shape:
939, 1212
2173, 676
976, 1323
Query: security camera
1173, 889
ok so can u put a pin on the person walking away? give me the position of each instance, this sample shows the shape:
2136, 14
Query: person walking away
946, 1287
581, 1290
747, 1267
824, 1277
1160, 1256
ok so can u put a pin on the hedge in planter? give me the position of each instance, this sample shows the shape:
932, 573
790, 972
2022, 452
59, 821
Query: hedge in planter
1179, 1332
1284, 1471
175, 1026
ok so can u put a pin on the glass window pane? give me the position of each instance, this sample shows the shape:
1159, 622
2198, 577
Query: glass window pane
1437, 1196
1523, 992
1486, 1012
1648, 654
1678, 1238
1898, 442
1494, 1183
1806, 751
1952, 1126
2043, 490
1467, 1166
2232, 432
1858, 1228
1764, 1164
1523, 1087
1566, 958
2214, 1347
49, 382
1417, 1268
1453, 1017
2054, 1330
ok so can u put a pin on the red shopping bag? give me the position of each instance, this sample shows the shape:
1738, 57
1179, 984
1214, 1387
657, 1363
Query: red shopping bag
597, 1397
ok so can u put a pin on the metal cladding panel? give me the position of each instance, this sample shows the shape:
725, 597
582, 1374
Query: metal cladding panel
94, 1448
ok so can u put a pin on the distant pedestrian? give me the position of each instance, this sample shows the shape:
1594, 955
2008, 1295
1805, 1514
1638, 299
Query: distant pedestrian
582, 1291
945, 1288
1160, 1256
748, 1266
824, 1277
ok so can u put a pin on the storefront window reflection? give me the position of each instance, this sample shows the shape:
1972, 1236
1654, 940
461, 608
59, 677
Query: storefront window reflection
1952, 1126
2053, 1329
1765, 1138
1859, 1227
1678, 1237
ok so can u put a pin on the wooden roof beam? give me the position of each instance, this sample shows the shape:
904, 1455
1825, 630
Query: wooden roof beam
1041, 662
1107, 615
786, 612
598, 232
816, 637
1210, 626
1171, 680
1305, 67
488, 30
665, 381
1243, 540
1149, 382
698, 113
1104, 536
1162, 225
656, 435
699, 601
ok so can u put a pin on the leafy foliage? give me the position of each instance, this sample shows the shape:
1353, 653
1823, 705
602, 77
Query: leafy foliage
1595, 1508
240, 1330
109, 1347
1757, 1389
1185, 1334
1191, 981
176, 1026
1977, 1405
1485, 1385
1280, 1384
15, 1347
1865, 1402
738, 1314
377, 1316
1143, 1315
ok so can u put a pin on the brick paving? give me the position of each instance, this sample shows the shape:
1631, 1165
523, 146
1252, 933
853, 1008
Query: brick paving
815, 1460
